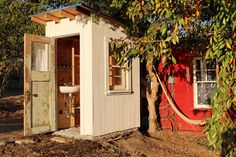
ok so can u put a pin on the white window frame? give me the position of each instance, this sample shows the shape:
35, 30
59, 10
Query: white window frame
195, 82
122, 89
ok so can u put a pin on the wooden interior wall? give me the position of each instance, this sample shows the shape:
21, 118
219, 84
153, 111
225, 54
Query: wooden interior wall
64, 75
76, 45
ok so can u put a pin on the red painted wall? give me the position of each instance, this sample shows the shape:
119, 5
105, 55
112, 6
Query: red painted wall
183, 93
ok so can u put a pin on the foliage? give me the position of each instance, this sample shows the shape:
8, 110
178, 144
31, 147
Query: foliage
221, 130
155, 29
14, 23
6, 69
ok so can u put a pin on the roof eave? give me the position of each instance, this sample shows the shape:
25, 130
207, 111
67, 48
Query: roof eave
70, 12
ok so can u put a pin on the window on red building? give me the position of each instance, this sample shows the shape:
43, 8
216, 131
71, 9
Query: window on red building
204, 82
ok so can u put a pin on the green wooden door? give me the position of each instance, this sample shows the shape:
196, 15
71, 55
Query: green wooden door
39, 84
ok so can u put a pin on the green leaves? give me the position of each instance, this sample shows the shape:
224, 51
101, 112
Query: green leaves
173, 59
228, 44
222, 47
14, 23
163, 29
118, 3
6, 69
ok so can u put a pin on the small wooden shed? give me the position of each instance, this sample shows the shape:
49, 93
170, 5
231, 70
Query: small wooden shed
101, 97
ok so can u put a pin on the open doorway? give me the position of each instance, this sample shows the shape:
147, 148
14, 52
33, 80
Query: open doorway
68, 74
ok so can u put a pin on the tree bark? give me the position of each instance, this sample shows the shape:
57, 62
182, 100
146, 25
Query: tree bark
151, 94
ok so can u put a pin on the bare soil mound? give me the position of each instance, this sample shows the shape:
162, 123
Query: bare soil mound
11, 117
46, 148
136, 144
166, 144
12, 107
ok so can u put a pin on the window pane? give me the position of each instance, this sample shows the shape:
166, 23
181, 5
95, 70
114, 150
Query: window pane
115, 81
204, 91
211, 75
112, 61
198, 75
117, 75
211, 64
115, 71
198, 64
39, 56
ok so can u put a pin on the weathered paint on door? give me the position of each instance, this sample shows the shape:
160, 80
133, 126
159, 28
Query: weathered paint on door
39, 84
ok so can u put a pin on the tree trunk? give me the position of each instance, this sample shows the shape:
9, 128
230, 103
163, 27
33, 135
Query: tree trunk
151, 95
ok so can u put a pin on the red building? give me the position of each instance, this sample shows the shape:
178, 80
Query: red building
190, 83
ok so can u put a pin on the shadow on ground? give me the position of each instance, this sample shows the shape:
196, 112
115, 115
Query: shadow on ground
10, 125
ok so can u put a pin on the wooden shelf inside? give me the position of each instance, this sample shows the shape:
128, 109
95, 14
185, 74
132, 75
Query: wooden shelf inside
64, 66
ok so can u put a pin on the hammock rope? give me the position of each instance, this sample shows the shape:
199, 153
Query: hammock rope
180, 114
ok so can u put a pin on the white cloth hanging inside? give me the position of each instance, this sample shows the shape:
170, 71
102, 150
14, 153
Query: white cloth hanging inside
39, 57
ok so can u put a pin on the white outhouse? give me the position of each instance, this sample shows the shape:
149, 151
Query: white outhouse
71, 78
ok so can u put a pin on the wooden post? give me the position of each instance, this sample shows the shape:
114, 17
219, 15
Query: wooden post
73, 66
72, 105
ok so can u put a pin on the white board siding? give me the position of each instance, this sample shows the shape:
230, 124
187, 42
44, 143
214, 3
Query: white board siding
100, 113
81, 27
118, 111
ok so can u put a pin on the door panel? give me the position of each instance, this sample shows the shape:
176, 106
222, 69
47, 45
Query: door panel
39, 84
40, 76
39, 104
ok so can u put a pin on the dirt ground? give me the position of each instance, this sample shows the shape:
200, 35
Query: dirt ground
167, 144
11, 117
